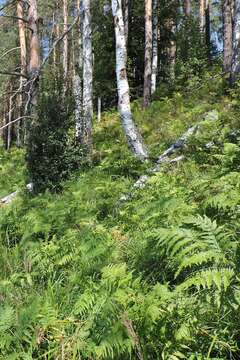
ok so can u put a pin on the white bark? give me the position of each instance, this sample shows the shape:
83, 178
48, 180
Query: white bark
99, 109
236, 43
65, 42
165, 157
77, 91
126, 19
148, 54
77, 82
9, 198
134, 138
155, 47
87, 74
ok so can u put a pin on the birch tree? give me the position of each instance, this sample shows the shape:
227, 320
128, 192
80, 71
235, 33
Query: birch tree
228, 35
148, 54
133, 136
65, 42
236, 43
155, 47
86, 136
77, 82
126, 19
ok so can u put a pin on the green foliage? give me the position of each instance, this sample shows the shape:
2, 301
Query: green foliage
51, 152
86, 277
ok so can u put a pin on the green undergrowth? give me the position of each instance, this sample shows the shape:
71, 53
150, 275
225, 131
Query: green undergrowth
12, 169
86, 276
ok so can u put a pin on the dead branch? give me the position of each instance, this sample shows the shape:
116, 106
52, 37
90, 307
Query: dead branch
14, 121
13, 73
165, 157
9, 51
14, 17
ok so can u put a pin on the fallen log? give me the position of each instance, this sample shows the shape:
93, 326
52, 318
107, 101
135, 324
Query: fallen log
9, 198
165, 157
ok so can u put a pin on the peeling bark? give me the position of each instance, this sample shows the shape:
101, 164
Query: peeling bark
148, 54
34, 63
86, 138
155, 47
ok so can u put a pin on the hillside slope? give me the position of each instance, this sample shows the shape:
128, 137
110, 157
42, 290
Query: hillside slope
84, 276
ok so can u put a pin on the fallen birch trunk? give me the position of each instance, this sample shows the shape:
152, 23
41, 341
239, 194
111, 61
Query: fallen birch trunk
9, 198
164, 158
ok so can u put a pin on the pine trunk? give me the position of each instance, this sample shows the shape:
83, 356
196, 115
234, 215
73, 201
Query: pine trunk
134, 138
87, 75
148, 54
228, 35
187, 8
34, 63
155, 47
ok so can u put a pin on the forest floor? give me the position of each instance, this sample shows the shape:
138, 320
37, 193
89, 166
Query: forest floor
83, 274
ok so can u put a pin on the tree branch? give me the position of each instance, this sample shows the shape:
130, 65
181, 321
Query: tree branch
14, 121
13, 73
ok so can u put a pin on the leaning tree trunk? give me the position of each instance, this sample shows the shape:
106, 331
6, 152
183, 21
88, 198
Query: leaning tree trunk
148, 54
34, 62
134, 138
77, 82
155, 47
65, 44
236, 44
228, 35
86, 138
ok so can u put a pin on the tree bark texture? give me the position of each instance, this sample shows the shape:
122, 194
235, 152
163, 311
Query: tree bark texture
228, 35
134, 138
148, 54
155, 47
87, 75
236, 43
34, 62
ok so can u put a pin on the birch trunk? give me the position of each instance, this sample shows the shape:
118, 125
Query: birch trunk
65, 43
134, 138
87, 75
34, 63
155, 47
99, 109
126, 20
228, 35
236, 43
77, 83
148, 54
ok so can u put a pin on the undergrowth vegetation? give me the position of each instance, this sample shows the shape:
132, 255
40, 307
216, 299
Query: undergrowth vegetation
86, 276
